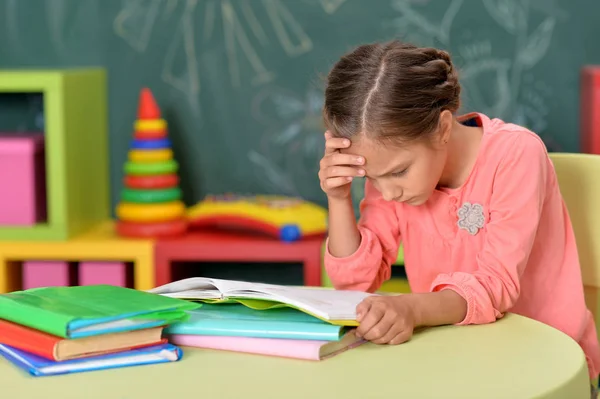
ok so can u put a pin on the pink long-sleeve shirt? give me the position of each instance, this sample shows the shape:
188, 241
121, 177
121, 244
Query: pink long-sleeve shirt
503, 240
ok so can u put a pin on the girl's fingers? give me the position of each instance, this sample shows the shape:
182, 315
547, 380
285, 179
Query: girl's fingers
342, 159
335, 143
343, 171
337, 182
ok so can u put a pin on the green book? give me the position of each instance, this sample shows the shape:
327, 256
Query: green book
83, 311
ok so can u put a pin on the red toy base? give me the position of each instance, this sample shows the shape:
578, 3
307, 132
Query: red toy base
149, 230
236, 223
151, 181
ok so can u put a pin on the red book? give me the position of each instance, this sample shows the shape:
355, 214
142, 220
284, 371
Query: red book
57, 348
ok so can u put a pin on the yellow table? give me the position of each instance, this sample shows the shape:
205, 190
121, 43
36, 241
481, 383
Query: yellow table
513, 358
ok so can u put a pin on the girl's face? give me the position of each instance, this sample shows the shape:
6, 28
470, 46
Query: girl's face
406, 174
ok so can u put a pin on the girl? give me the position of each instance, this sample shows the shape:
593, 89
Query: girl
474, 200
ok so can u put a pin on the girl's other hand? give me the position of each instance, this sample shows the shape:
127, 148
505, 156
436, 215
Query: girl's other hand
386, 319
337, 170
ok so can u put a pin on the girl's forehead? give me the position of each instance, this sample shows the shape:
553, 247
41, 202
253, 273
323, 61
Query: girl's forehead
378, 156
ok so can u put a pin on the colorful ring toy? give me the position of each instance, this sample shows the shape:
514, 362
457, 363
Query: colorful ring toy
150, 134
150, 155
150, 212
150, 144
151, 168
150, 124
157, 229
151, 182
151, 196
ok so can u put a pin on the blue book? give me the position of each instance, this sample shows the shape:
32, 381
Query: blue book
240, 321
38, 366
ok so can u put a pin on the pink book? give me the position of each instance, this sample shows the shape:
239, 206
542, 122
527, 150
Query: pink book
292, 348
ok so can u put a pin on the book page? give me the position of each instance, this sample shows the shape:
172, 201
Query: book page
327, 303
205, 288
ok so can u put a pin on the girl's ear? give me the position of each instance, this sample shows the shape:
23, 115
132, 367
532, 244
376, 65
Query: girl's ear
442, 135
446, 120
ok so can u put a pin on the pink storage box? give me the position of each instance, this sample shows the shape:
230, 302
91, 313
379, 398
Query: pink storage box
22, 179
111, 273
47, 274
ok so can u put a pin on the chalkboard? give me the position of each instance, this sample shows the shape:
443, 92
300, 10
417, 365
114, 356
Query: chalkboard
241, 81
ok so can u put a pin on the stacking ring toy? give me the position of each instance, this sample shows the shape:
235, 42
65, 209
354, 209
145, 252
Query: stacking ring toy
150, 134
151, 182
150, 212
156, 229
150, 144
150, 124
151, 168
150, 196
150, 155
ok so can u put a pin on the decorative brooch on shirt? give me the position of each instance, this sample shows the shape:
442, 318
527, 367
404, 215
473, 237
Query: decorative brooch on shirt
470, 217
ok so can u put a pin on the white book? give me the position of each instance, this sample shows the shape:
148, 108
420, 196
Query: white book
335, 306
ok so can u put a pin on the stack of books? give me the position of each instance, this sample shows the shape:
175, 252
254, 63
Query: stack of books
59, 330
294, 322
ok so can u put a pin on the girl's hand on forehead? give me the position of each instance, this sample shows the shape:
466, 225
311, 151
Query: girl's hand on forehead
337, 170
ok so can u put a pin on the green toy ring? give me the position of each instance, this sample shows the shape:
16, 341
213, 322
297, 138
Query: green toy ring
150, 196
151, 168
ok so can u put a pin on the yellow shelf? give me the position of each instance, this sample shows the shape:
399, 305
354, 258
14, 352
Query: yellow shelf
98, 243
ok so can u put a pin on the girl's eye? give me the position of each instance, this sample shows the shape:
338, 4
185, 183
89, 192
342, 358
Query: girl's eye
401, 173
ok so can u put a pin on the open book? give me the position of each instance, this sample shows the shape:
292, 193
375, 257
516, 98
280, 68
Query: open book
333, 306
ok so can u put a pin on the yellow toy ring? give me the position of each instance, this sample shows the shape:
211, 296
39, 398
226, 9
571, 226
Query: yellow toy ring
131, 212
150, 155
150, 124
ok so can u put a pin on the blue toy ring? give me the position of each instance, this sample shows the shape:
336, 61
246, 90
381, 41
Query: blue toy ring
153, 144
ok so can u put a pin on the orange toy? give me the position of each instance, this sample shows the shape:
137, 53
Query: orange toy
150, 203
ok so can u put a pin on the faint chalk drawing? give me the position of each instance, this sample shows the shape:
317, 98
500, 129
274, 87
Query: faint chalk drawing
281, 18
537, 44
209, 21
274, 177
293, 142
136, 20
171, 6
55, 16
478, 75
188, 82
509, 14
254, 23
331, 6
492, 80
234, 34
241, 30
11, 22
412, 19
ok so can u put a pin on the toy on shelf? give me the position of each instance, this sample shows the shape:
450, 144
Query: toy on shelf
286, 218
151, 203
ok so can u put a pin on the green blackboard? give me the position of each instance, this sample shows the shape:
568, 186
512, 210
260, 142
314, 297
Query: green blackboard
240, 81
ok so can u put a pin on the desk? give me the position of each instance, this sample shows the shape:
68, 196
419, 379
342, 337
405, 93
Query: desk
213, 246
513, 358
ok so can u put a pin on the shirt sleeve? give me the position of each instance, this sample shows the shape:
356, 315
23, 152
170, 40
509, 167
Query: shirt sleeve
519, 190
370, 265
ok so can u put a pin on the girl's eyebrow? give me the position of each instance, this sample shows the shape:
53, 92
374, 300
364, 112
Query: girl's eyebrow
400, 166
